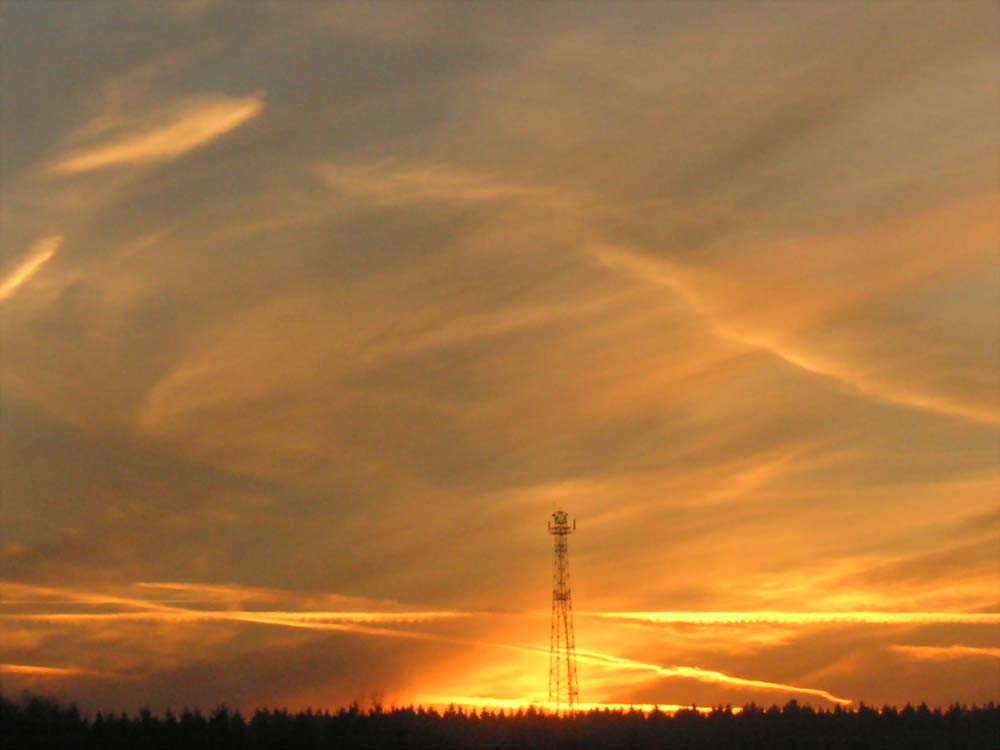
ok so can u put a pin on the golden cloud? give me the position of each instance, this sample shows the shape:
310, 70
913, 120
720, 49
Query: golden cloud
41, 254
185, 126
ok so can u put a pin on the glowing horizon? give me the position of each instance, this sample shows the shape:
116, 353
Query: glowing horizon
514, 704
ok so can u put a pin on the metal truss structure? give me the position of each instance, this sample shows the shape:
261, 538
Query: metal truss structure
563, 686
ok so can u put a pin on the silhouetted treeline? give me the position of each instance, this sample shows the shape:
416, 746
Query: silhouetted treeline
42, 723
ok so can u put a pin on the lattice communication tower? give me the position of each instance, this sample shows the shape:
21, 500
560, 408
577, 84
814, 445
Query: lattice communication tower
563, 687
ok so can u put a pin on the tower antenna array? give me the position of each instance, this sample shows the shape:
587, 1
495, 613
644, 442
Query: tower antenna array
563, 687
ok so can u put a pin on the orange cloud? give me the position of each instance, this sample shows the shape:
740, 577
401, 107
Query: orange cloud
172, 609
944, 653
389, 183
188, 125
804, 618
705, 675
42, 253
372, 623
759, 298
36, 671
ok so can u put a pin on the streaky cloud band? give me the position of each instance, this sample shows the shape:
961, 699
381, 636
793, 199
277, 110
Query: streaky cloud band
802, 618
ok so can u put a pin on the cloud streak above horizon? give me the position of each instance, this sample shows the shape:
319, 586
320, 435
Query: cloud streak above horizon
169, 611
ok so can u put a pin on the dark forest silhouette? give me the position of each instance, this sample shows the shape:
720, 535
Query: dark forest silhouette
36, 722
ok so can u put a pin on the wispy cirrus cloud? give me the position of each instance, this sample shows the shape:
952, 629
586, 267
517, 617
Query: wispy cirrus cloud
804, 618
603, 670
757, 297
41, 253
395, 183
23, 601
182, 127
946, 653
710, 676
446, 282
364, 623
193, 601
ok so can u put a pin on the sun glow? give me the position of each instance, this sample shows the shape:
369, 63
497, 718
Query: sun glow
37, 671
480, 703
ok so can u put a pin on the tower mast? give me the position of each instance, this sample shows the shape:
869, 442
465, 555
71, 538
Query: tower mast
563, 687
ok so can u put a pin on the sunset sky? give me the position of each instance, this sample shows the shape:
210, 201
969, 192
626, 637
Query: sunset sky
312, 313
